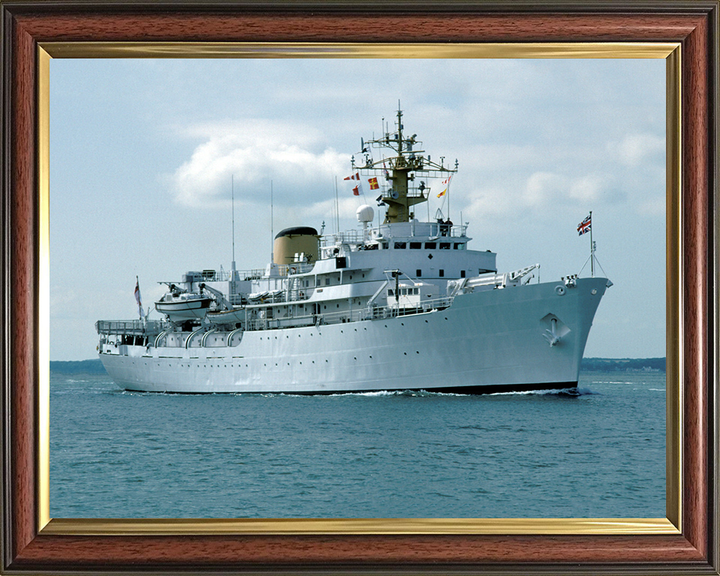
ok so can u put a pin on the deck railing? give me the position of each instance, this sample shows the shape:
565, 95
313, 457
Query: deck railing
154, 327
130, 327
348, 316
251, 274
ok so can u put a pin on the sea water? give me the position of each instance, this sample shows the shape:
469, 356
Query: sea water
597, 454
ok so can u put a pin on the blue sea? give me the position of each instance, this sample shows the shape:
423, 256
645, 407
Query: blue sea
600, 453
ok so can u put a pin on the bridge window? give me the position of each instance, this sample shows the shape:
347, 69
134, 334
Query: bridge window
400, 245
460, 246
444, 245
415, 245
442, 273
430, 245
462, 273
418, 273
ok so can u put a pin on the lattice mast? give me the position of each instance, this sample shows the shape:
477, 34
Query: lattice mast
400, 170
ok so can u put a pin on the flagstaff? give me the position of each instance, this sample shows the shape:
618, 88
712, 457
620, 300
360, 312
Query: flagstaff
592, 250
584, 227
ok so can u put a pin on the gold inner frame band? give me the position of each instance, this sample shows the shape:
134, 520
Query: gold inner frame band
354, 50
590, 526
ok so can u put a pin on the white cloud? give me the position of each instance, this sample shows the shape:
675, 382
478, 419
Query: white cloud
587, 188
547, 189
254, 152
653, 207
543, 187
637, 148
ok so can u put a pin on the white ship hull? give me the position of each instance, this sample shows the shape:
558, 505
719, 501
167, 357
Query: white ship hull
515, 338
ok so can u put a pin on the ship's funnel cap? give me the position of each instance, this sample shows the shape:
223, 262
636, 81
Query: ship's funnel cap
365, 213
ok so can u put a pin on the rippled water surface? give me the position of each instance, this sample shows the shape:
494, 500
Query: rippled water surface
600, 453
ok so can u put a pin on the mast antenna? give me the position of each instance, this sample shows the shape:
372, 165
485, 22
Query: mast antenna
272, 230
232, 200
592, 250
337, 208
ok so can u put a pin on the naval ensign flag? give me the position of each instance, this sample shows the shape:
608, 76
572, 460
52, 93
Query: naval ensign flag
138, 299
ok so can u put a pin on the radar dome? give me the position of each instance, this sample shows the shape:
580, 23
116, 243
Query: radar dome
365, 213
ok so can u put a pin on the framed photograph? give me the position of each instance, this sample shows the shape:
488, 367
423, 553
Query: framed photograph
42, 43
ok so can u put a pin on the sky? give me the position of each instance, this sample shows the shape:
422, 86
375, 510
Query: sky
145, 155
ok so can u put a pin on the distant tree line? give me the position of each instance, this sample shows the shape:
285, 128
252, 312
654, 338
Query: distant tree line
622, 364
77, 367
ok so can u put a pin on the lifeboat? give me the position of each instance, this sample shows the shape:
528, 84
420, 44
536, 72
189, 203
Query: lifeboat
183, 307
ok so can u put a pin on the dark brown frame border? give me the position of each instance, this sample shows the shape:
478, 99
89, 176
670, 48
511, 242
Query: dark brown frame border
25, 24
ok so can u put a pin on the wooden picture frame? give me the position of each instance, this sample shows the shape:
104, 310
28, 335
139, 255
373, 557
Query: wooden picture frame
687, 542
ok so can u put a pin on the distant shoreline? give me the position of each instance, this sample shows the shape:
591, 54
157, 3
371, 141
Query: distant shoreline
588, 365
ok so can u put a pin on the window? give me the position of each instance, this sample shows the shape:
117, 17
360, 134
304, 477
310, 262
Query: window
400, 245
415, 245
327, 281
384, 245
459, 246
418, 273
430, 245
391, 292
442, 273
462, 273
444, 245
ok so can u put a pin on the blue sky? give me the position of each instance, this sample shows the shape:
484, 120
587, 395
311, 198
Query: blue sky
142, 153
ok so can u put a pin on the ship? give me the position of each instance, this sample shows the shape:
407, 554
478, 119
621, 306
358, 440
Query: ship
399, 305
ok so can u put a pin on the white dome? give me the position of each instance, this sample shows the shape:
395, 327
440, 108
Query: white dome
365, 213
